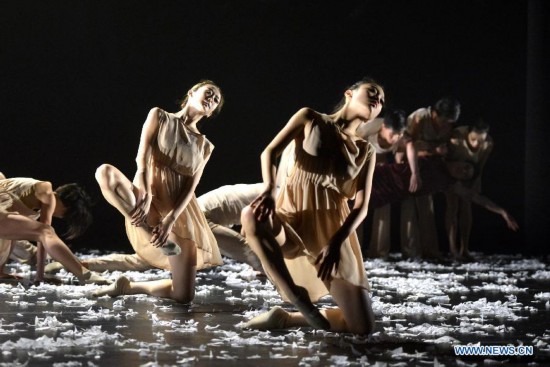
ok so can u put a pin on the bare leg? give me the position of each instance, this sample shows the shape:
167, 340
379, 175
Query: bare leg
451, 224
121, 193
117, 189
354, 315
181, 288
265, 239
465, 227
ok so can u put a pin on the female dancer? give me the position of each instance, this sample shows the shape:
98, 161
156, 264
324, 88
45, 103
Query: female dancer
306, 238
160, 207
26, 200
471, 144
427, 134
385, 135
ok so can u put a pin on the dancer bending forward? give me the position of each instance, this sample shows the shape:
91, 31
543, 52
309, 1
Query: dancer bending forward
306, 237
164, 223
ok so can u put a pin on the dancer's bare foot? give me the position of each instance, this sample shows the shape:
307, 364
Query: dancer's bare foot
118, 288
274, 319
91, 277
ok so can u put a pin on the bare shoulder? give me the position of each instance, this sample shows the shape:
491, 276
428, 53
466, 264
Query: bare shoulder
155, 111
43, 188
307, 113
155, 115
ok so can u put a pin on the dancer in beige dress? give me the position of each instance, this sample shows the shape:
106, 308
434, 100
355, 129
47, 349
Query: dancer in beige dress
306, 237
164, 222
26, 210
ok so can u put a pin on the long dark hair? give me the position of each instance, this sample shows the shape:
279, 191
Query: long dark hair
78, 205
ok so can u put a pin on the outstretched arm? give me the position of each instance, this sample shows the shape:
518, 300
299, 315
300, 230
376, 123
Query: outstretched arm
264, 205
485, 202
329, 258
142, 178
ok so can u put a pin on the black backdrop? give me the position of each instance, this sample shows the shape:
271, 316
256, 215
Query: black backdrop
78, 78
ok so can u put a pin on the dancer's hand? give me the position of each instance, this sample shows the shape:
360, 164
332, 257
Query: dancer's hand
162, 230
263, 206
328, 260
140, 212
510, 221
415, 183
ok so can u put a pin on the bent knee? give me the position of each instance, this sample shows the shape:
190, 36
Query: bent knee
103, 173
45, 231
248, 220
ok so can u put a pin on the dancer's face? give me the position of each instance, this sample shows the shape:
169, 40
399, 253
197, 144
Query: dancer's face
205, 99
389, 135
368, 100
476, 138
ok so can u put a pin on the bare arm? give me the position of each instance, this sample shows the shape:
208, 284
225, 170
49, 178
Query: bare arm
412, 159
44, 193
470, 194
412, 154
329, 258
142, 178
264, 205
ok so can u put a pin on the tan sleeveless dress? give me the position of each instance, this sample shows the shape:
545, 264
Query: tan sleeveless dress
21, 188
176, 155
313, 204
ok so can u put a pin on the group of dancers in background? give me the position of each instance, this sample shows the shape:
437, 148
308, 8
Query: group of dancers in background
321, 174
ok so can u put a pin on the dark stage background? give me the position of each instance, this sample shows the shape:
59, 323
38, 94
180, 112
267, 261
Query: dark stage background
79, 77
